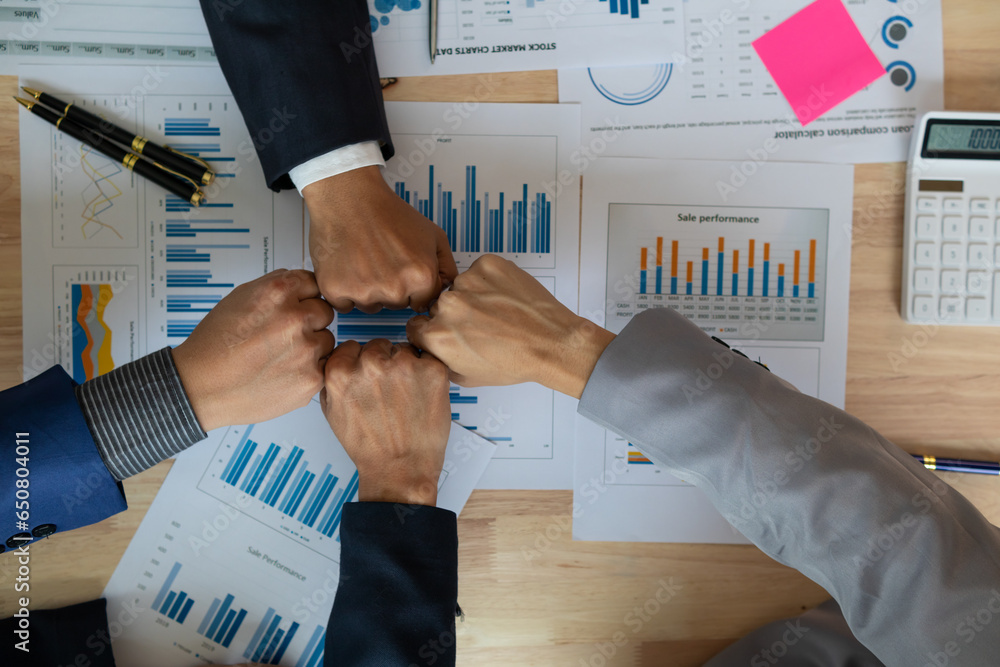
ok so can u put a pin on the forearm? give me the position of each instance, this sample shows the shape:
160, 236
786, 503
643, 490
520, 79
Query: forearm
139, 414
906, 556
304, 77
398, 590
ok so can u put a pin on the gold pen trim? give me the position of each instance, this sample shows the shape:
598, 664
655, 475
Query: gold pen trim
208, 176
138, 143
930, 462
130, 160
177, 174
34, 93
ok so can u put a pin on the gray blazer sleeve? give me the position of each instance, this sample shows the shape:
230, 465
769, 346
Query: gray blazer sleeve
912, 563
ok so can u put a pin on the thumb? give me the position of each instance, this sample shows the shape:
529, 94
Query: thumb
416, 330
447, 269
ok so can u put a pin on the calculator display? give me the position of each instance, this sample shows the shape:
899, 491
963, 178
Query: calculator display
958, 139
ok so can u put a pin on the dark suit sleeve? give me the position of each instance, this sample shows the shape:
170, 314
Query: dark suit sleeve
304, 76
398, 589
75, 635
68, 484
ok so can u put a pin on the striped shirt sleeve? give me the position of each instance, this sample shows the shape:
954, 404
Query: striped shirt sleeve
139, 414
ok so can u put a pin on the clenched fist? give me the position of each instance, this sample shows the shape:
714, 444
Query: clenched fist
260, 353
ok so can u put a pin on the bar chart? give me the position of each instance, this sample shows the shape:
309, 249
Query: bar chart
270, 640
738, 273
222, 621
282, 480
312, 656
199, 253
174, 604
503, 207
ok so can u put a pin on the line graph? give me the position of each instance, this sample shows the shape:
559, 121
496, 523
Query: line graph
100, 195
95, 202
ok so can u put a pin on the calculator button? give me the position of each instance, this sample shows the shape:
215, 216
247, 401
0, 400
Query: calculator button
923, 280
951, 282
953, 205
977, 309
979, 255
930, 204
979, 206
951, 254
952, 307
952, 227
923, 307
924, 254
979, 228
978, 282
926, 226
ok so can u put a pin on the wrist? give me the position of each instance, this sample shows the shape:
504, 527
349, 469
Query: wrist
567, 366
380, 488
344, 191
199, 393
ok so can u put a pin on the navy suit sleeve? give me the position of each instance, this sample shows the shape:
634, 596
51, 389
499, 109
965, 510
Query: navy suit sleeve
75, 635
304, 76
68, 485
398, 591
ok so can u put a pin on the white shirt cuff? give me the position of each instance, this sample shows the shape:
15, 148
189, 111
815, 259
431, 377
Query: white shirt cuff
337, 161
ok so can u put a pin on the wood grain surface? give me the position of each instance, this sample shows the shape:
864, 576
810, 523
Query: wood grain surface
533, 596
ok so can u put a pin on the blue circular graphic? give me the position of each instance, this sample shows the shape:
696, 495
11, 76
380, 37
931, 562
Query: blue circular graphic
384, 7
902, 74
633, 90
894, 30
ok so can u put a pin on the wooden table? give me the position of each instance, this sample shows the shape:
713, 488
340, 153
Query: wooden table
527, 605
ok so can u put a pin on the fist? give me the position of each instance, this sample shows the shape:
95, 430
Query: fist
370, 249
389, 408
498, 326
259, 353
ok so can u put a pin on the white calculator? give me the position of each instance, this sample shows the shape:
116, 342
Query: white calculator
951, 239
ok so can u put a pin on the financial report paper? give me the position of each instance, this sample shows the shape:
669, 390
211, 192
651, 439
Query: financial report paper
474, 36
715, 99
118, 268
494, 176
765, 269
237, 559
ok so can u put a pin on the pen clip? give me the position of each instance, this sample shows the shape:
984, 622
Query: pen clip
190, 180
194, 158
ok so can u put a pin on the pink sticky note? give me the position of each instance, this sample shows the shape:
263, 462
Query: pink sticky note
818, 58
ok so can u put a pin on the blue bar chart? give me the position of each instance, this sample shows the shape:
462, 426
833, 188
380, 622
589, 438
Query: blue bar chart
281, 478
174, 604
312, 656
222, 621
503, 207
297, 487
197, 254
270, 640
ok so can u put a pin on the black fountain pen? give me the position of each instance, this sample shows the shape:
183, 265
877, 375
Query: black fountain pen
186, 189
187, 166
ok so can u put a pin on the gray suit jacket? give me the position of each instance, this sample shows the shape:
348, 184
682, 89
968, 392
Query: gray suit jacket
914, 566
